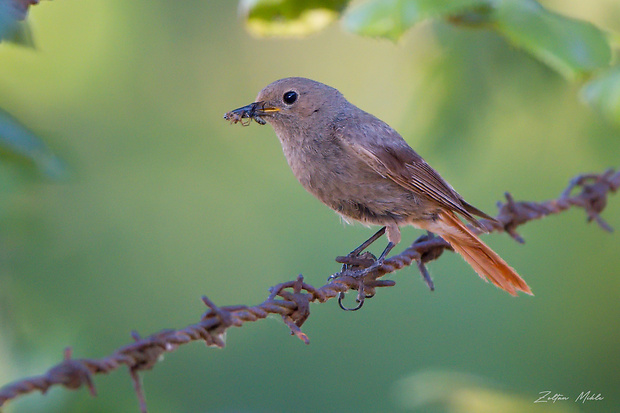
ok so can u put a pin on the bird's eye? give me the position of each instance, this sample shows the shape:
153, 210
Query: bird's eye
289, 97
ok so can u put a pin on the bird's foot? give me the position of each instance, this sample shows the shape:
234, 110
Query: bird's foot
359, 300
360, 272
363, 272
361, 269
357, 262
356, 265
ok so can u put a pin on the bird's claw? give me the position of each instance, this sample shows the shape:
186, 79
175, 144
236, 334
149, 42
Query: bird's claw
359, 302
356, 261
359, 274
361, 296
356, 265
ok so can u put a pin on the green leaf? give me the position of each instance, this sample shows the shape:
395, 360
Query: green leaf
603, 93
12, 28
391, 18
574, 48
289, 18
21, 35
18, 142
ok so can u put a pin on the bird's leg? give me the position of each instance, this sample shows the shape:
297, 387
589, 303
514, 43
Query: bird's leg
385, 252
393, 236
367, 243
379, 261
350, 259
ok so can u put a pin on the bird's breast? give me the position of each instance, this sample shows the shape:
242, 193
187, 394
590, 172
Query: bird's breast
318, 162
347, 184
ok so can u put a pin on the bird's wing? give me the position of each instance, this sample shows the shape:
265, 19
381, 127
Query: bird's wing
391, 157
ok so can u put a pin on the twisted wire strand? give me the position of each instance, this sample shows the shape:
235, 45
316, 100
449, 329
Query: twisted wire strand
291, 300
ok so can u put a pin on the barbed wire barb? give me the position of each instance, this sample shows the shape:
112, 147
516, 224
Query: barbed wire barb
291, 300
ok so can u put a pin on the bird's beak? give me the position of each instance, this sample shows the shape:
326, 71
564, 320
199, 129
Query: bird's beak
254, 111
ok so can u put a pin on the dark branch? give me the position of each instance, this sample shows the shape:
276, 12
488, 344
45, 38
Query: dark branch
291, 300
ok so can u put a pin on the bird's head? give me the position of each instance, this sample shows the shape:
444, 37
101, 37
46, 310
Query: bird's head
290, 103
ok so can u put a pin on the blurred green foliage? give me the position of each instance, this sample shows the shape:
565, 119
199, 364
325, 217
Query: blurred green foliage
574, 48
166, 202
15, 139
570, 46
290, 17
603, 93
466, 393
12, 28
392, 18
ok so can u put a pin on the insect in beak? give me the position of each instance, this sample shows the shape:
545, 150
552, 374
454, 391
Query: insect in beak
254, 111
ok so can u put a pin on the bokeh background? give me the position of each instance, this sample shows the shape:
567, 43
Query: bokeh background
161, 201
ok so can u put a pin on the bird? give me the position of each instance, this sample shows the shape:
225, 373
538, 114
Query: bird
363, 169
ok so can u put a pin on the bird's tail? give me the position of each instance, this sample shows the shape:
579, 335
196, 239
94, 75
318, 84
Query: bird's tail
483, 259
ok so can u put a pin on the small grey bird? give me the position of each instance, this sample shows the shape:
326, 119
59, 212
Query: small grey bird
365, 171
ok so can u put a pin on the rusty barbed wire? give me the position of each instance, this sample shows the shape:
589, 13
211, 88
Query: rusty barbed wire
291, 300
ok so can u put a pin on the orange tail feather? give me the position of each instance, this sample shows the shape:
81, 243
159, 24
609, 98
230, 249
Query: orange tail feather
483, 259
